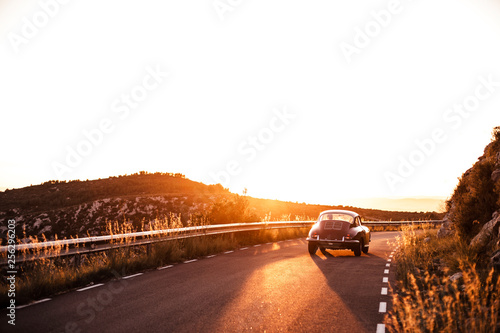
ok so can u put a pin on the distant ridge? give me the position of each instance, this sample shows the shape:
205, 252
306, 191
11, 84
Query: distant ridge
420, 204
81, 208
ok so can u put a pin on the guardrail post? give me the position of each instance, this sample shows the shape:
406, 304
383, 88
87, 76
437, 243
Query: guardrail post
148, 249
77, 259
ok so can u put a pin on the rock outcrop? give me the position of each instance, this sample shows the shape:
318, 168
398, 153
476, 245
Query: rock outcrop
489, 235
447, 228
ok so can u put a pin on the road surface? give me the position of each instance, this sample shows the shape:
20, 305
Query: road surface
274, 287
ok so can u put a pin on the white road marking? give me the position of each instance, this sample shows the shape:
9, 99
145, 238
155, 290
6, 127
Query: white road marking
190, 261
37, 302
385, 280
380, 328
384, 291
165, 267
382, 307
257, 245
227, 252
90, 287
244, 248
389, 260
213, 255
131, 276
387, 265
386, 271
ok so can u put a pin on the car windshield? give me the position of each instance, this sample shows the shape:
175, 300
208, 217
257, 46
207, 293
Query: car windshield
336, 217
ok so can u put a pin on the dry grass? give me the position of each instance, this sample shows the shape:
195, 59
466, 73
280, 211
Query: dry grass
44, 277
427, 299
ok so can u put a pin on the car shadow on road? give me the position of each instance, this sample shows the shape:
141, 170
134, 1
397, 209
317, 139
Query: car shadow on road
356, 280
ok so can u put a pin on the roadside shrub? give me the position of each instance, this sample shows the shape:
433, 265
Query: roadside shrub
429, 295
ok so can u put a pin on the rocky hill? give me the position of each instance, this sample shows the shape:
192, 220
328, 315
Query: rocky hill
474, 209
82, 208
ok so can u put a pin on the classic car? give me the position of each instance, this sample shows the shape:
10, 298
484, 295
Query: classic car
339, 229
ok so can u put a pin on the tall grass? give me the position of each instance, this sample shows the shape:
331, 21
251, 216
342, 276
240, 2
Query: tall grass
44, 277
428, 299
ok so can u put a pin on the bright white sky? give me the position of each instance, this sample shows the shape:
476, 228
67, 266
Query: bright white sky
352, 116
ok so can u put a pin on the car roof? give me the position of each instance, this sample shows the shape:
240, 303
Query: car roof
339, 211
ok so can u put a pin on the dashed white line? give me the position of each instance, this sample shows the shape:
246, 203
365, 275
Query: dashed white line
390, 256
190, 261
165, 267
244, 248
384, 291
90, 287
213, 255
380, 328
131, 276
385, 280
37, 302
387, 265
386, 271
227, 252
257, 245
389, 260
382, 307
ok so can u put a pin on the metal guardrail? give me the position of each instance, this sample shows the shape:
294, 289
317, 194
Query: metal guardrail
87, 245
399, 223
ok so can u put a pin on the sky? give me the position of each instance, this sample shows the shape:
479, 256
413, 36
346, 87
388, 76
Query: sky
310, 101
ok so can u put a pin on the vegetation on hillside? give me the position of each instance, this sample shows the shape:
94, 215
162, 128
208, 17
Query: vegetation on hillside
477, 196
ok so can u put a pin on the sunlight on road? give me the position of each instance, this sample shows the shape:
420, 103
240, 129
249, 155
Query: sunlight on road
280, 297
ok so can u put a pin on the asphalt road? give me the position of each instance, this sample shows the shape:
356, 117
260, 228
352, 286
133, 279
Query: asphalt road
274, 287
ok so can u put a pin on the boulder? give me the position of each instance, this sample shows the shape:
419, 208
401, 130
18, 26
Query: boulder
488, 234
495, 175
456, 276
448, 227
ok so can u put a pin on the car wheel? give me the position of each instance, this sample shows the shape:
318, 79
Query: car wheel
312, 247
358, 249
365, 249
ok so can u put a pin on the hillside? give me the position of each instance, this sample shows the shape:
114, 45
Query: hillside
82, 208
474, 207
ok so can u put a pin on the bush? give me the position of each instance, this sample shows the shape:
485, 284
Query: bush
429, 300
